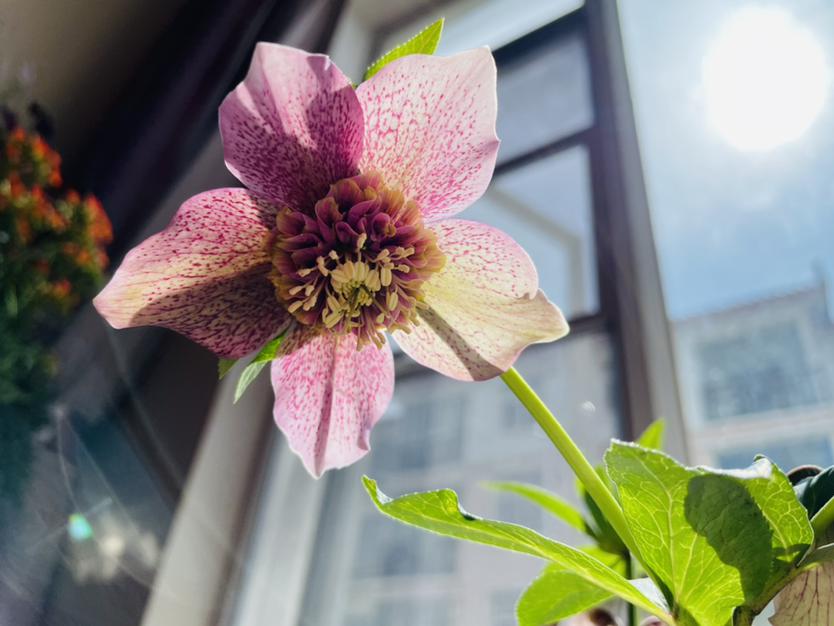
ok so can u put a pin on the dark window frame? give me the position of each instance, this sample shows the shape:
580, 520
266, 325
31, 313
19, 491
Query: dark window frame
608, 141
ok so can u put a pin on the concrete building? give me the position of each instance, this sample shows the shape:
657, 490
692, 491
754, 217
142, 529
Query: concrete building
758, 378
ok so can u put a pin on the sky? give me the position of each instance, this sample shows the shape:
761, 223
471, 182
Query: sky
731, 225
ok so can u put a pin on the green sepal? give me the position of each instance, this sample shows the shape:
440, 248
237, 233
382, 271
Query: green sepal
261, 360
424, 42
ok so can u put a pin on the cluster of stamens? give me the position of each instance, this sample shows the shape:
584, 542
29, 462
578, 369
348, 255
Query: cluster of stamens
356, 262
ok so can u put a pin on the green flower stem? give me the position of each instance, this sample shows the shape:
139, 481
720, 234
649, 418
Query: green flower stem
597, 489
743, 617
629, 574
823, 519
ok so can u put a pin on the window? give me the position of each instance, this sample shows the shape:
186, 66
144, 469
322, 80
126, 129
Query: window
784, 454
760, 370
741, 212
442, 433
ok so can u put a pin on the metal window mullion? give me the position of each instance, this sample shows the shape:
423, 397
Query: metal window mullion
630, 284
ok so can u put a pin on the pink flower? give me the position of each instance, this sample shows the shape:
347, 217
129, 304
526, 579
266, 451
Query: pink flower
345, 231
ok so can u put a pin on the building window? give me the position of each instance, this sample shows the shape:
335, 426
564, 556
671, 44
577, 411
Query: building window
758, 370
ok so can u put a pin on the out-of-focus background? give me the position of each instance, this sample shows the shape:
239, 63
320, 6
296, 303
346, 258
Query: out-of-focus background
665, 164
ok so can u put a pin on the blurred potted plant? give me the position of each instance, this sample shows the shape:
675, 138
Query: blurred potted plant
52, 259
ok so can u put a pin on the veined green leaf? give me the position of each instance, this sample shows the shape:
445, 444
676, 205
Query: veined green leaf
713, 538
261, 360
224, 366
791, 532
424, 42
652, 437
440, 512
555, 595
547, 500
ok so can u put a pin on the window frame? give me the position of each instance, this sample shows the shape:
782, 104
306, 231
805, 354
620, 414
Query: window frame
631, 308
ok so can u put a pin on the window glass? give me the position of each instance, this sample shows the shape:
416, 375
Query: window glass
735, 120
543, 95
546, 207
366, 564
784, 454
438, 432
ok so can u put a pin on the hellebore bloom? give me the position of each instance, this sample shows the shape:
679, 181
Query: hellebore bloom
345, 232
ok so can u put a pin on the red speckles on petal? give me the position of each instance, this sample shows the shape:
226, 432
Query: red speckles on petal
430, 128
484, 306
292, 127
328, 396
204, 276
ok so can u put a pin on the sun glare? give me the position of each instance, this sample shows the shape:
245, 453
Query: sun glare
765, 79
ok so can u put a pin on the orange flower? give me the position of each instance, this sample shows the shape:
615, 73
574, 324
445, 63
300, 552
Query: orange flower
101, 230
39, 147
55, 179
61, 287
102, 259
24, 229
17, 187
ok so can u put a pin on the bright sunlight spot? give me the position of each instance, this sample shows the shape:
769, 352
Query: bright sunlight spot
765, 79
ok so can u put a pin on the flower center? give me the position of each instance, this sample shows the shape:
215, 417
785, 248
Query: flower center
357, 262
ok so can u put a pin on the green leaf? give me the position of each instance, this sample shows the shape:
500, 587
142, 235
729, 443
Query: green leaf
261, 360
791, 532
440, 512
652, 437
814, 491
547, 500
612, 560
555, 595
601, 529
224, 366
424, 42
712, 538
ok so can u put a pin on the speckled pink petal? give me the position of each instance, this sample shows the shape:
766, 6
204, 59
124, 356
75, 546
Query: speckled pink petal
292, 127
484, 306
328, 396
430, 128
204, 276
